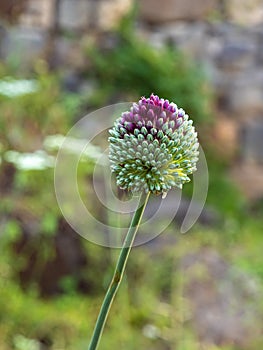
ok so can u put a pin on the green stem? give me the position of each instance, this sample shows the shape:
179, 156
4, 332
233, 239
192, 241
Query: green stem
119, 272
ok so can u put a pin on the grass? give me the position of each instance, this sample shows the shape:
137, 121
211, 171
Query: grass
149, 311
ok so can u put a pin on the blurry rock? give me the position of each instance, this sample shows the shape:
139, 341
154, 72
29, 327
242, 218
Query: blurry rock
207, 217
256, 207
245, 93
7, 177
157, 38
74, 14
248, 176
223, 301
260, 54
3, 34
225, 136
105, 40
169, 10
39, 13
98, 14
110, 12
252, 141
260, 46
74, 82
245, 12
10, 10
24, 44
236, 56
190, 38
213, 45
68, 53
71, 82
222, 29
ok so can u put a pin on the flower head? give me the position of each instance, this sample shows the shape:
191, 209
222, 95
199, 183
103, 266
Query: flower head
153, 147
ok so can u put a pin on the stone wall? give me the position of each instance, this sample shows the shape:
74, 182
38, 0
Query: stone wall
225, 37
154, 11
231, 56
75, 15
245, 12
30, 37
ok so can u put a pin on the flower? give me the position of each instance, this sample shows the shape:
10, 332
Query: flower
153, 147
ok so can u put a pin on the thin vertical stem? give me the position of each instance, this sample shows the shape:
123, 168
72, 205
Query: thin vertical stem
119, 271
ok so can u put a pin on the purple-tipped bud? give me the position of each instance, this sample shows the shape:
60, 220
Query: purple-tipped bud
153, 146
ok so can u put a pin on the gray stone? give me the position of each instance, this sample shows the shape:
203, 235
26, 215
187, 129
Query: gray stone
260, 46
74, 82
252, 141
222, 29
232, 34
10, 11
223, 300
24, 44
189, 38
109, 12
157, 39
168, 10
99, 14
244, 12
208, 216
260, 55
248, 176
68, 53
218, 301
71, 82
213, 46
226, 136
236, 56
39, 13
245, 93
238, 46
75, 14
3, 34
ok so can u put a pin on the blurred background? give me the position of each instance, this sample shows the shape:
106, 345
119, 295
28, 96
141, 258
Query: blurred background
61, 59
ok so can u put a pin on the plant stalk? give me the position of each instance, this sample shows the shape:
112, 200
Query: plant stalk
119, 272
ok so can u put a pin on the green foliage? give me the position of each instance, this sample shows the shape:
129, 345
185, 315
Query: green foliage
133, 68
149, 311
45, 110
11, 231
49, 224
223, 194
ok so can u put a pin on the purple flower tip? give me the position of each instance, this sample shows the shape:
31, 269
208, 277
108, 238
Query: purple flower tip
151, 112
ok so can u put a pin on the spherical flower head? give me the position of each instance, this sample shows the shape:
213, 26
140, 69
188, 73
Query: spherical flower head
153, 147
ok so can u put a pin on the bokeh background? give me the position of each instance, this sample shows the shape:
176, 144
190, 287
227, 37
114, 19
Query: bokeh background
61, 59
